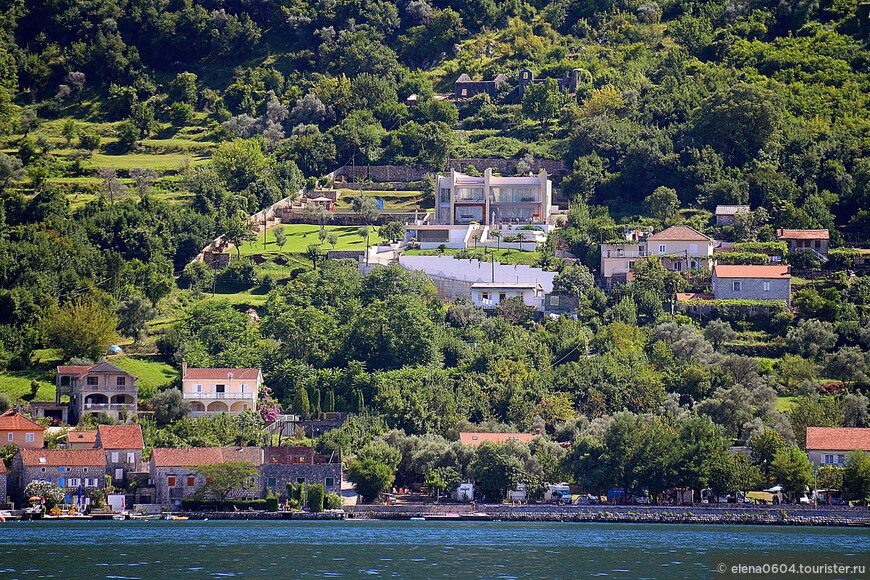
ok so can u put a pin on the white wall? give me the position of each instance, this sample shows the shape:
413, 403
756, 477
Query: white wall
476, 271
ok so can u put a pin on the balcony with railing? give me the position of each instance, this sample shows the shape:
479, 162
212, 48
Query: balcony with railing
624, 253
515, 195
235, 396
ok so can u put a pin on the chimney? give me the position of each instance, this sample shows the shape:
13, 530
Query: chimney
183, 369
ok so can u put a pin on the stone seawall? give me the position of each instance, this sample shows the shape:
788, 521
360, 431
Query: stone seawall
257, 515
733, 515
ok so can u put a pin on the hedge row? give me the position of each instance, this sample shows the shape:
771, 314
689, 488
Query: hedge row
769, 248
739, 258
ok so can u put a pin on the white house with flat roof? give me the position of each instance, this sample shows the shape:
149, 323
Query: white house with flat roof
491, 294
491, 199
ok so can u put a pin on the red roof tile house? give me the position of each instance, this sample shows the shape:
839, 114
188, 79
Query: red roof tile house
751, 282
18, 429
81, 439
831, 445
73, 470
212, 391
122, 445
99, 388
174, 471
813, 240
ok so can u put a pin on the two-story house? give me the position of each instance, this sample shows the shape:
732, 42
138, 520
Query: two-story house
751, 282
23, 432
283, 465
174, 471
123, 446
81, 439
212, 391
490, 199
815, 241
678, 247
831, 445
99, 388
681, 248
78, 472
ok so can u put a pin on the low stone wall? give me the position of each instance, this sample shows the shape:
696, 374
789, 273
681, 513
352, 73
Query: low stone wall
253, 515
730, 514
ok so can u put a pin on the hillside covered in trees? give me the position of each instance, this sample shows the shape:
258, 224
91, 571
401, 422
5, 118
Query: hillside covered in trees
135, 132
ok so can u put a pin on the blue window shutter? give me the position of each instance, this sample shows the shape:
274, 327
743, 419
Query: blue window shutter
61, 482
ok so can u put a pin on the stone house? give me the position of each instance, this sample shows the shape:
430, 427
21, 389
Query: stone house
75, 471
751, 282
4, 476
99, 388
831, 445
567, 84
813, 240
122, 445
212, 391
23, 432
285, 465
465, 88
174, 471
726, 214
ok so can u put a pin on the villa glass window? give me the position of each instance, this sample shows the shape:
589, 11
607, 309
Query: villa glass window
93, 381
662, 248
29, 437
121, 381
829, 459
736, 286
10, 436
484, 296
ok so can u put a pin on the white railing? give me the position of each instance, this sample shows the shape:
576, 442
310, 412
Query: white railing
221, 396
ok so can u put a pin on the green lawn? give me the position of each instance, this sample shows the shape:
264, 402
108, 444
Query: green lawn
393, 200
151, 370
16, 384
502, 256
163, 162
300, 236
784, 403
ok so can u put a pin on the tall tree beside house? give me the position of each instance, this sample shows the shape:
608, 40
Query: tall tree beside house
662, 203
792, 470
301, 403
81, 328
221, 479
856, 476
370, 477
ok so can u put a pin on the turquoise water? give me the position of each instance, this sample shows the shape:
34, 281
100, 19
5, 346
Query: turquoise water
450, 550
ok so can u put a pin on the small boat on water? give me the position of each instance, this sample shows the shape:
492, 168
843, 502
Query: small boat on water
177, 518
417, 519
119, 517
145, 517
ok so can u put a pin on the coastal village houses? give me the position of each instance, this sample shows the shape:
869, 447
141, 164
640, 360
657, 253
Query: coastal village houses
751, 282
815, 241
491, 199
679, 248
123, 446
78, 472
213, 391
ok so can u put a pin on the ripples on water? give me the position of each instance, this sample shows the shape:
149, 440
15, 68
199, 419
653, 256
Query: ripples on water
407, 550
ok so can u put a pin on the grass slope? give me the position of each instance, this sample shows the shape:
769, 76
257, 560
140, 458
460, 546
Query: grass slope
300, 236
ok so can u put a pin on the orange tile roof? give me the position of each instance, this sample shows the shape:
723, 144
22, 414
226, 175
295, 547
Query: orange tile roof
121, 437
680, 233
63, 457
802, 234
218, 374
689, 295
194, 456
478, 438
723, 271
838, 438
12, 420
89, 436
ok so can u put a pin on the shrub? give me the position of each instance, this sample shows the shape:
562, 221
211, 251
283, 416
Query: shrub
271, 502
90, 141
333, 501
315, 497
